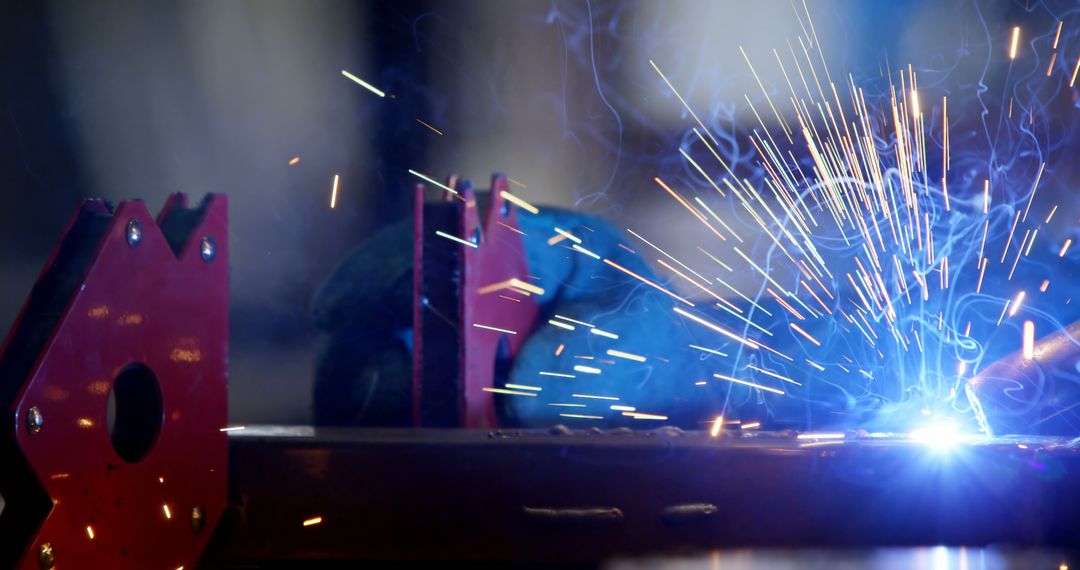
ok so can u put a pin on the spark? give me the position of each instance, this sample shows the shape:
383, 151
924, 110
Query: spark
234, 428
681, 100
641, 416
433, 181
168, 513
575, 321
437, 131
333, 192
1029, 340
512, 284
666, 254
491, 328
1075, 69
799, 330
717, 425
524, 387
647, 282
519, 202
821, 435
717, 328
1034, 187
90, 532
558, 374
621, 408
294, 161
1003, 311
1065, 247
512, 181
709, 350
604, 333
568, 235
1016, 303
751, 425
529, 287
363, 83
626, 355
561, 325
689, 208
582, 416
508, 392
568, 405
313, 521
773, 374
750, 384
593, 397
1015, 42
587, 369
443, 234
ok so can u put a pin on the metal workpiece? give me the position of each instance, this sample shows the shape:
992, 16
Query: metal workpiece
1029, 393
113, 381
583, 496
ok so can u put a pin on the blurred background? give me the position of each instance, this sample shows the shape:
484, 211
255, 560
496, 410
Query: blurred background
137, 100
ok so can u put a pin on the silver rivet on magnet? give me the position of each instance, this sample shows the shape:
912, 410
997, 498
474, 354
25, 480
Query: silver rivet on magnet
46, 556
35, 420
134, 232
208, 249
198, 518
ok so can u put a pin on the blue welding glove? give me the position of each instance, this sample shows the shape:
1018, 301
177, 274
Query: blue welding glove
635, 356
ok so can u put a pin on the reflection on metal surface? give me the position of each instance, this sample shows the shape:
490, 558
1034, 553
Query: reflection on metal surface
130, 319
687, 513
919, 558
273, 431
573, 518
185, 355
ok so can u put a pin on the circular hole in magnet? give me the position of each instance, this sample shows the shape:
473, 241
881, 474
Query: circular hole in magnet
135, 413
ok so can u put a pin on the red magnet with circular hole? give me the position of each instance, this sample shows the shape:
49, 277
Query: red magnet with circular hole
139, 482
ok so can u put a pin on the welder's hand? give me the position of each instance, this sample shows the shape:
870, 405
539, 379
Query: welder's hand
637, 349
364, 372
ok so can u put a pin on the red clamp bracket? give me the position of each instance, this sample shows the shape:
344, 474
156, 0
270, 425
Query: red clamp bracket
113, 385
474, 303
